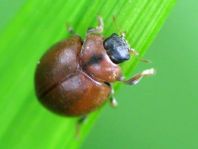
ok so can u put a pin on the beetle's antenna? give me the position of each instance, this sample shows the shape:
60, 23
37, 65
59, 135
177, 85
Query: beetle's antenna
135, 53
121, 33
145, 60
116, 26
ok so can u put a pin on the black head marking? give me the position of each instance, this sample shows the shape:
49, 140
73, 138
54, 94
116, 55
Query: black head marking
117, 48
95, 59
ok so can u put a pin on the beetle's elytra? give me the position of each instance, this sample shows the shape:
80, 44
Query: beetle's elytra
74, 76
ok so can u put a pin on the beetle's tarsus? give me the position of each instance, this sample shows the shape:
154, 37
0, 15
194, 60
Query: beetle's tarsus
136, 78
79, 123
70, 30
99, 28
112, 99
113, 102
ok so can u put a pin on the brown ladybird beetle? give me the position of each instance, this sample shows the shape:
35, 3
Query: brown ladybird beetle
74, 76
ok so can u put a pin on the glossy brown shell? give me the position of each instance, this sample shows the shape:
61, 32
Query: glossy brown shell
69, 81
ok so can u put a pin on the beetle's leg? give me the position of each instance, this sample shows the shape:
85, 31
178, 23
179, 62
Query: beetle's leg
99, 28
112, 99
79, 123
136, 78
70, 29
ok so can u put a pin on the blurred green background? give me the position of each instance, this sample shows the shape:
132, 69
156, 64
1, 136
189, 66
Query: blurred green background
161, 112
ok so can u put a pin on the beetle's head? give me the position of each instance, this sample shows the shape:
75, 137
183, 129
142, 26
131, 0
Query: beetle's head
117, 48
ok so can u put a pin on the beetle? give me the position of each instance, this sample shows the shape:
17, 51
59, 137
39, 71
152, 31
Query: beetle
74, 77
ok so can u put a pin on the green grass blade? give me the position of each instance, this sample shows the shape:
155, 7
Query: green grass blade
28, 29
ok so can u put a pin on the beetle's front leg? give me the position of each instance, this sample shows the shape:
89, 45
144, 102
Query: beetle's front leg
136, 78
99, 28
112, 99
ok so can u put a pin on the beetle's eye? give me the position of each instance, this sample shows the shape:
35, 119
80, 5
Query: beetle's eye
117, 48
